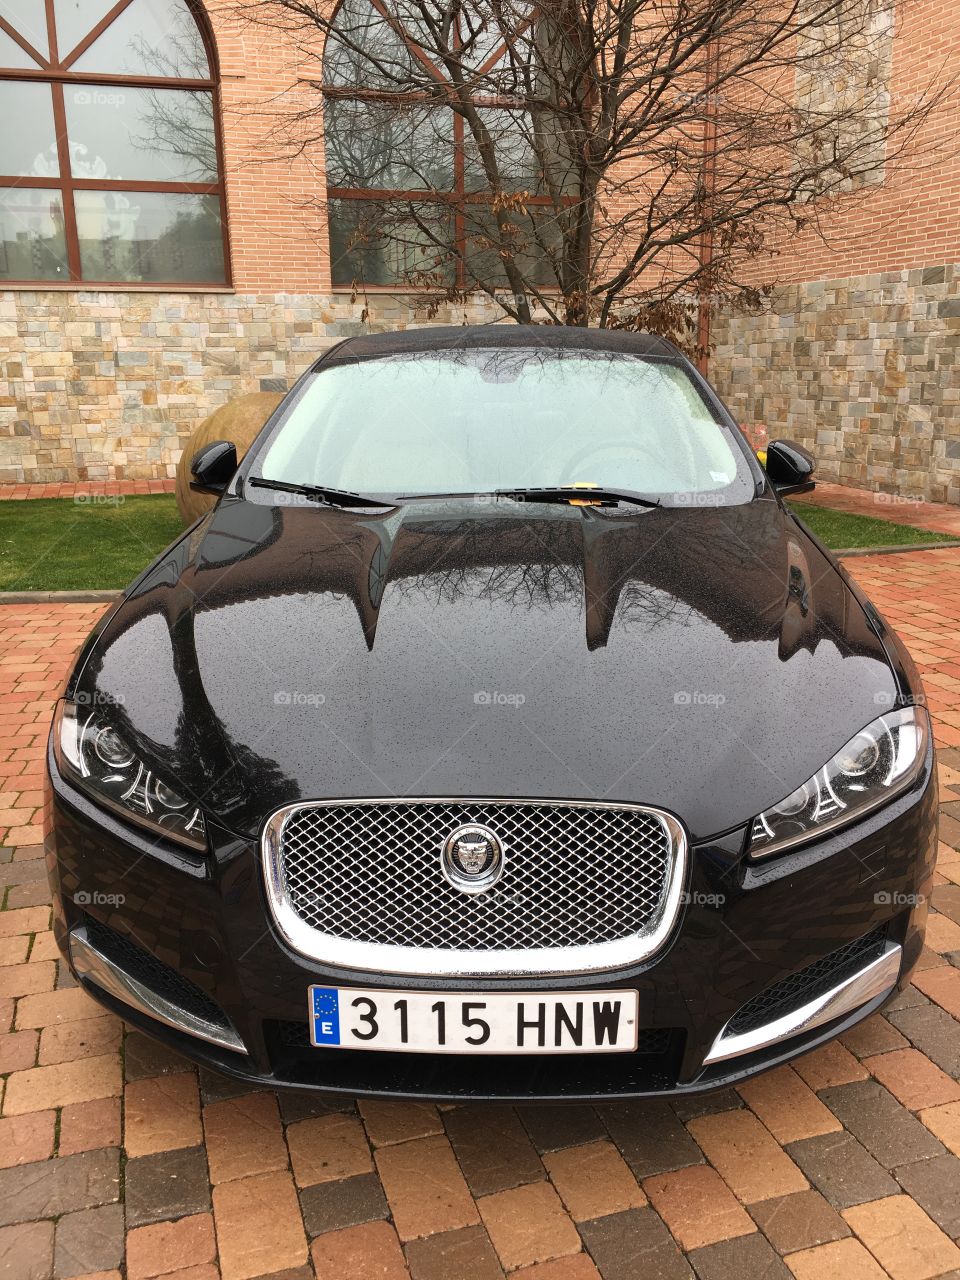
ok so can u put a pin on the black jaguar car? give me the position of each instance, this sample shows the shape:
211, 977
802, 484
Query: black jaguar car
500, 733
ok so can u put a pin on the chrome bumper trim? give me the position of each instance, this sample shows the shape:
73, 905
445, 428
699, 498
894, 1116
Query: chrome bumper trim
384, 958
95, 967
876, 979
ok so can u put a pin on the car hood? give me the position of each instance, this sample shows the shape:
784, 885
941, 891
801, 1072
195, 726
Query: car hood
702, 660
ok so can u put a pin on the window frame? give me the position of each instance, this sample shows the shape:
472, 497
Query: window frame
458, 197
51, 71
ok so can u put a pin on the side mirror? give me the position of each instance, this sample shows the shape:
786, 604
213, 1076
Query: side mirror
790, 467
213, 467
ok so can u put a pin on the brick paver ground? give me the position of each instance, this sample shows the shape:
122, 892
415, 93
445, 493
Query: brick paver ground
119, 1158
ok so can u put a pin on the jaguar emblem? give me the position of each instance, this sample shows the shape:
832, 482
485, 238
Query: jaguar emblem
472, 858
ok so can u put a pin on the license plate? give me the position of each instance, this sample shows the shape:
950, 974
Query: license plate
487, 1022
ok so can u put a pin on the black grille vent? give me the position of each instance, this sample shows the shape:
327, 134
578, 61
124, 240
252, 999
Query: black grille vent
799, 988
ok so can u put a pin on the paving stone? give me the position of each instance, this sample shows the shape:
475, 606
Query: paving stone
144, 1057
56, 1006
903, 1239
839, 1260
162, 1113
650, 1137
593, 1180
215, 1087
26, 1251
875, 1035
932, 1030
389, 1122
368, 1252
41, 1088
327, 1148
788, 1106
746, 1156
170, 1247
244, 1136
551, 1128
425, 1189
88, 1038
25, 1139
528, 1224
885, 1127
634, 1244
330, 1206
466, 1252
913, 1079
935, 1185
169, 1184
49, 1188
842, 1170
85, 1126
798, 1221
944, 1123
943, 986
733, 1259
493, 1148
259, 1228
88, 1241
698, 1206
831, 1064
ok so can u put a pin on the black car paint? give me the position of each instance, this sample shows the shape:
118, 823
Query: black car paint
622, 629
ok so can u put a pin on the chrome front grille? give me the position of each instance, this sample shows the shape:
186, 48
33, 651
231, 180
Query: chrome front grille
585, 886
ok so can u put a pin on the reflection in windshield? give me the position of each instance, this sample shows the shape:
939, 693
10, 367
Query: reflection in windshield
485, 419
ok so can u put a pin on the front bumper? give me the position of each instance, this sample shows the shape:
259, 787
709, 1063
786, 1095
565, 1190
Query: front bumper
183, 946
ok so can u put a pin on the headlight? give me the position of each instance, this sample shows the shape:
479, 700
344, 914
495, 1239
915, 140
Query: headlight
877, 763
93, 756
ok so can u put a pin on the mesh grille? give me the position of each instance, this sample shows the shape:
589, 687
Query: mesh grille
573, 875
818, 978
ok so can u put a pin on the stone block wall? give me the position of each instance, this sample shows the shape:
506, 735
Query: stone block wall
95, 385
864, 371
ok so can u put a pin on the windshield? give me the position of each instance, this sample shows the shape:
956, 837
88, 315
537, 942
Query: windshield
505, 418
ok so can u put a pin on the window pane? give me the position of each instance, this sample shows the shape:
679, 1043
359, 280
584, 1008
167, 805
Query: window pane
28, 17
513, 147
160, 135
150, 38
375, 244
75, 18
380, 59
379, 146
31, 147
533, 234
151, 236
12, 55
31, 235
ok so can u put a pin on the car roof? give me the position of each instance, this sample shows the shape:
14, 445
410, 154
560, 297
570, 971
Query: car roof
370, 346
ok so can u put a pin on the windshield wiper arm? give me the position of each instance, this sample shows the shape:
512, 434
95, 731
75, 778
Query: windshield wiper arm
319, 493
563, 493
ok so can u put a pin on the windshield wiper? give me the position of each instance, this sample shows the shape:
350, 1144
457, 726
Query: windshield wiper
319, 493
556, 493
564, 493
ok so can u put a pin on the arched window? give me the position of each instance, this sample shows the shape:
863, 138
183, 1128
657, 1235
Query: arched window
109, 148
408, 201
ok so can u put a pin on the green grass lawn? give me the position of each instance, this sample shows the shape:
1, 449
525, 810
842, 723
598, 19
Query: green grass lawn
56, 544
839, 530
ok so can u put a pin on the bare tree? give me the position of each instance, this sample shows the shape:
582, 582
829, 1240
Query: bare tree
610, 162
